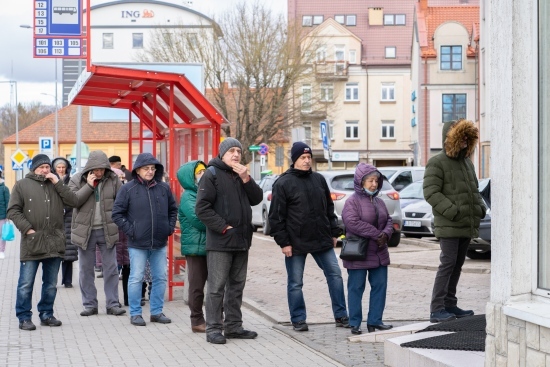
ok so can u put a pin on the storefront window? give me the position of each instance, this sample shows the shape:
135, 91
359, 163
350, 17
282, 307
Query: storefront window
544, 146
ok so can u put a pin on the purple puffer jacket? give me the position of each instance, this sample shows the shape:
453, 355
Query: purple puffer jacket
367, 216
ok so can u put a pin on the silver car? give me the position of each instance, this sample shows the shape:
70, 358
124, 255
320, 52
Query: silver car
417, 213
340, 184
260, 212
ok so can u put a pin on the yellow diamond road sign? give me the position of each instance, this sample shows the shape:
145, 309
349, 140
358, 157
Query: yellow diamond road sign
19, 157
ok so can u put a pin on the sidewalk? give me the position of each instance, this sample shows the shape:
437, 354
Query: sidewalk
104, 340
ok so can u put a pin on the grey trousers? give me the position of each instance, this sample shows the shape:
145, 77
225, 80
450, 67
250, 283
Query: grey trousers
197, 271
226, 271
453, 253
87, 275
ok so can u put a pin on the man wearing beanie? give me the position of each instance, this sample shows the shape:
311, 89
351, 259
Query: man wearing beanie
225, 195
36, 209
303, 222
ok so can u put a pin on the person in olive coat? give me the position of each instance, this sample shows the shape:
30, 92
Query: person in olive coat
193, 241
451, 188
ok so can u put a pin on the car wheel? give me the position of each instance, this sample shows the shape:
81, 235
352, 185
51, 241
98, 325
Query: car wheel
478, 254
265, 223
395, 239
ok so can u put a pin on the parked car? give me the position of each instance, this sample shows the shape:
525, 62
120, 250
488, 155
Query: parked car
417, 213
261, 211
402, 176
480, 248
340, 184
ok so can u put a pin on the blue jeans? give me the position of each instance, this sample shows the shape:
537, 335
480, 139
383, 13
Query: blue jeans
159, 267
327, 261
27, 274
378, 280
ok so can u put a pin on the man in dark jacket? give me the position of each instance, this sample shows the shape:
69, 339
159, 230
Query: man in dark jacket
36, 209
225, 195
145, 210
96, 187
303, 221
451, 188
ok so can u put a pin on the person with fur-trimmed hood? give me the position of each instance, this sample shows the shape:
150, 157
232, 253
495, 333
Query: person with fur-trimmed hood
451, 188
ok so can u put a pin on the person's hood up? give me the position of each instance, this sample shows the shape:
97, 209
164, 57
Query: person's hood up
147, 159
67, 164
96, 160
362, 170
454, 133
186, 175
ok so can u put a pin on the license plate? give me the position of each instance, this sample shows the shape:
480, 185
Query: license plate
412, 223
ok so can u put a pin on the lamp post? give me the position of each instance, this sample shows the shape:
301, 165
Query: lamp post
56, 141
13, 84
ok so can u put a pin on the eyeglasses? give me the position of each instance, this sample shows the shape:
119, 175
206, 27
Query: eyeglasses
152, 169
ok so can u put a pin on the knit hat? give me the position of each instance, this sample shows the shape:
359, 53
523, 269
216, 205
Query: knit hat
114, 158
298, 149
39, 160
227, 144
199, 167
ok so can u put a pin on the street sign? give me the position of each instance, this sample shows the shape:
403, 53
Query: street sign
262, 160
58, 28
264, 148
15, 167
45, 146
18, 158
324, 134
254, 148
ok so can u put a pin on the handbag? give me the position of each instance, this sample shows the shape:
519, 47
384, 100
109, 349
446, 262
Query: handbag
354, 248
8, 231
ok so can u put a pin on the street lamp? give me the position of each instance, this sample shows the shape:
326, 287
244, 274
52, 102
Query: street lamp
13, 83
56, 141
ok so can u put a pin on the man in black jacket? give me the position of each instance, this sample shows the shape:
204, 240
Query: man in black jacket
226, 192
303, 221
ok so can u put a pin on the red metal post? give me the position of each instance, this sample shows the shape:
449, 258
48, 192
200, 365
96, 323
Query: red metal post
130, 139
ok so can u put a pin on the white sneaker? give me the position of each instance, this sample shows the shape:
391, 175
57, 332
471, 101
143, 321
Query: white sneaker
2, 256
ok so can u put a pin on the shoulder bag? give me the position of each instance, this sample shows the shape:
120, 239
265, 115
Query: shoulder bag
354, 248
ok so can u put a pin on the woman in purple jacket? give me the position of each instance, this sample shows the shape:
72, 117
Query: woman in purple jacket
365, 215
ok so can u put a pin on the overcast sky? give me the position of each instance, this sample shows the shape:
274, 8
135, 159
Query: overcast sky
36, 76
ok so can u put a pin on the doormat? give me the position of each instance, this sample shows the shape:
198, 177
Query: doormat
462, 340
469, 323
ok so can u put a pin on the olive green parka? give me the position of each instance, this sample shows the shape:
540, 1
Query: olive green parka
451, 186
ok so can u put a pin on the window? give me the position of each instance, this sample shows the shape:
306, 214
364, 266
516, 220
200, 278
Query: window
338, 53
137, 40
108, 40
451, 58
307, 132
390, 52
351, 20
404, 179
317, 19
352, 129
352, 91
394, 19
340, 19
307, 21
388, 130
388, 92
306, 98
454, 107
352, 56
327, 92
321, 55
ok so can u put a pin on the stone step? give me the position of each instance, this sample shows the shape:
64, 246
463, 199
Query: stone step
381, 335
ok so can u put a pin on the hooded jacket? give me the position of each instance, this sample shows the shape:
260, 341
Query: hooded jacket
36, 203
84, 211
71, 251
302, 212
222, 200
146, 210
366, 216
450, 183
193, 231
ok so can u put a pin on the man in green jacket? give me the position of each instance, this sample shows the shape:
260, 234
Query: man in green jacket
36, 209
451, 188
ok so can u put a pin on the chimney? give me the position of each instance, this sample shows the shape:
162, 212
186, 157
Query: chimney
423, 5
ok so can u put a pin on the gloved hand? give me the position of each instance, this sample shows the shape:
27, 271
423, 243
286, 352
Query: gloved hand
382, 239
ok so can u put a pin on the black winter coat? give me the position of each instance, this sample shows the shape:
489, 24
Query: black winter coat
223, 199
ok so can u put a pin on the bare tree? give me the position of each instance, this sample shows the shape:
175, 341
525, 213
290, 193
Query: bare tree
252, 59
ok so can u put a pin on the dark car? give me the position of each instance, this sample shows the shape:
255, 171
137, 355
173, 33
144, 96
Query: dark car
480, 248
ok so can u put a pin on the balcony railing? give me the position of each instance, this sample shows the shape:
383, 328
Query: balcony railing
331, 70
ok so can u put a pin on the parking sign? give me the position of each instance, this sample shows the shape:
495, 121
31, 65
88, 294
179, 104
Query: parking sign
45, 145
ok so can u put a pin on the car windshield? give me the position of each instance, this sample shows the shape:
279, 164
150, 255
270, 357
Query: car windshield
344, 182
387, 172
413, 191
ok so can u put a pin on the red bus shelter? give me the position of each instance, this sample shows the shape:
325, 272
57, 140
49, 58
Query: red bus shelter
173, 116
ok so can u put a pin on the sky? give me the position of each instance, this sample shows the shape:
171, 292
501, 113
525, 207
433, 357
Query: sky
36, 77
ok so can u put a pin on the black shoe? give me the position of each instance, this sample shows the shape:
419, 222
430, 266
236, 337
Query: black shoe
68, 285
300, 326
137, 320
27, 325
242, 334
215, 338
458, 312
89, 311
142, 302
342, 322
441, 316
50, 321
116, 310
160, 319
372, 328
356, 330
